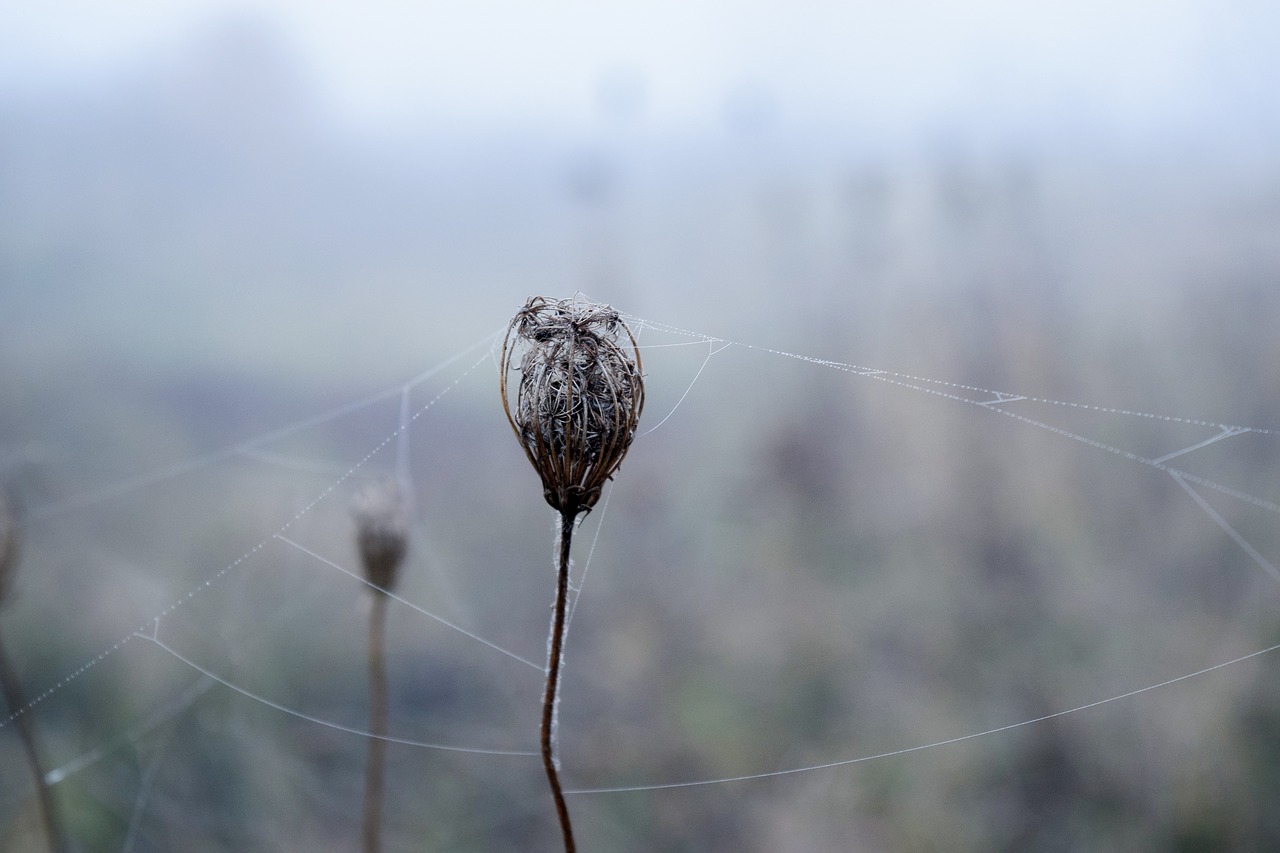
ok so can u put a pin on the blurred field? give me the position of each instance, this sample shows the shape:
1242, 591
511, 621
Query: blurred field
800, 566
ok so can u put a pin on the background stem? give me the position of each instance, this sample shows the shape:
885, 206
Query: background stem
373, 769
13, 697
553, 678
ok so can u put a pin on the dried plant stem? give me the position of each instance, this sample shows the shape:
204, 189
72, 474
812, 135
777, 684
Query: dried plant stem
13, 697
574, 411
553, 678
376, 759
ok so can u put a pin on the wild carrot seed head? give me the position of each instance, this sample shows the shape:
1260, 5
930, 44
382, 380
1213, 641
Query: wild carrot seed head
579, 395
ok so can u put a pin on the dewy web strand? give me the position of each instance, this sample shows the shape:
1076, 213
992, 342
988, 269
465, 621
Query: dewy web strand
247, 447
208, 582
416, 608
893, 753
998, 396
174, 707
154, 639
992, 400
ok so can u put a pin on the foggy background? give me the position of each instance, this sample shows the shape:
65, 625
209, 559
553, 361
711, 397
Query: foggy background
217, 222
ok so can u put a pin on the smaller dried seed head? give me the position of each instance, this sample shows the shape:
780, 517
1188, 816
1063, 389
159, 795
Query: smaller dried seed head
8, 548
382, 532
579, 397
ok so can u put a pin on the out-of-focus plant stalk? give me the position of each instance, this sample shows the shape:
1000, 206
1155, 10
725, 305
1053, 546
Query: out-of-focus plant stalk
12, 687
382, 537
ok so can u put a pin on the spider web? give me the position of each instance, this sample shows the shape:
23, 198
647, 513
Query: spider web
758, 642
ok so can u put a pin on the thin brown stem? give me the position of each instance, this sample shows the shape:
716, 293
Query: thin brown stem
553, 678
376, 759
17, 705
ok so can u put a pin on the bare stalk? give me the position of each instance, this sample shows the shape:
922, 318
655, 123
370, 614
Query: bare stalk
377, 755
551, 697
574, 410
14, 698
382, 535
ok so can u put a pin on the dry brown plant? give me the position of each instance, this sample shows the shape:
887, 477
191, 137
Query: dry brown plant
574, 411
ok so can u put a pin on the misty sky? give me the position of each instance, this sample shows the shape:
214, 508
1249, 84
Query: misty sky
884, 65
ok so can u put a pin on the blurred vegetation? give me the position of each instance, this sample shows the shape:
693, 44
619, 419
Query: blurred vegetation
800, 566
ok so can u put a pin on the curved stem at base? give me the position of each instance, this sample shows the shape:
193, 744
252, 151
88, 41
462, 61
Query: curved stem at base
553, 679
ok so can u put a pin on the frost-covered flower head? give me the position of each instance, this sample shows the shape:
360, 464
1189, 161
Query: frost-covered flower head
579, 396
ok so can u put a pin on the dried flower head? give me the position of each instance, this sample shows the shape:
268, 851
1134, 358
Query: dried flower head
382, 532
579, 398
8, 547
